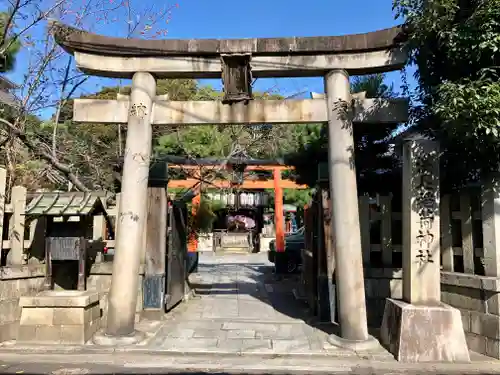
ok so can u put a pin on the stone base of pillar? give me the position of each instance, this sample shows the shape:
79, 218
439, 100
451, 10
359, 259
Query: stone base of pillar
101, 338
370, 343
414, 333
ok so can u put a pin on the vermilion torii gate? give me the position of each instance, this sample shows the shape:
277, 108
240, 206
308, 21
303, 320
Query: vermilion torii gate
237, 61
277, 184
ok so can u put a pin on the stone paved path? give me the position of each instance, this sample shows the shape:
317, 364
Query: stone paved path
242, 307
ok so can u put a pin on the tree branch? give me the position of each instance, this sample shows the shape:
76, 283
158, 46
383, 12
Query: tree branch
63, 168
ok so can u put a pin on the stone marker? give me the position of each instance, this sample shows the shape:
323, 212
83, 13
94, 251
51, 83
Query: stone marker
421, 328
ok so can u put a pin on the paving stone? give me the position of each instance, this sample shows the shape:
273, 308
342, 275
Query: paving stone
178, 332
283, 332
291, 346
210, 333
189, 344
245, 345
241, 334
260, 327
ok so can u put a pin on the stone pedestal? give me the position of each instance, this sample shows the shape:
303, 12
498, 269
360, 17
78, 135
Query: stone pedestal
59, 317
423, 333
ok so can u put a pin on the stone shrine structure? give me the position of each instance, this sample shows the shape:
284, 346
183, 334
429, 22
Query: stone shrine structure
237, 62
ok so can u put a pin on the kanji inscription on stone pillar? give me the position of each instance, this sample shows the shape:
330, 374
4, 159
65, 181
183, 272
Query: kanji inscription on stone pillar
421, 252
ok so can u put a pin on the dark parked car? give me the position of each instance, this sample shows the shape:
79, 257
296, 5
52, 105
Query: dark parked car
290, 260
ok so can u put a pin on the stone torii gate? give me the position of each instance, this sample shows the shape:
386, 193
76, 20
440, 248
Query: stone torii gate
236, 62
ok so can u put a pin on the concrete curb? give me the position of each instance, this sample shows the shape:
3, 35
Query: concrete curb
135, 363
138, 350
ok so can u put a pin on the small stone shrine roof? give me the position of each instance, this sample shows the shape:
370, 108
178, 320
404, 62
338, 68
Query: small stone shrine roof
66, 204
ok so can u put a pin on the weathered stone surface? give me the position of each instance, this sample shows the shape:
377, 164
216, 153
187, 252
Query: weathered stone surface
475, 342
73, 39
208, 333
72, 334
262, 66
256, 111
182, 344
291, 346
16, 281
463, 298
484, 324
423, 333
241, 334
9, 310
75, 315
421, 222
46, 334
36, 316
8, 331
60, 298
492, 300
59, 317
245, 345
492, 347
478, 299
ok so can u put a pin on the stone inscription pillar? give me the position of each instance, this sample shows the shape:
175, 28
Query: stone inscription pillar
133, 205
421, 249
345, 215
421, 328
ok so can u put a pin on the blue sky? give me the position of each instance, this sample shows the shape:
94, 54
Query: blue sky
268, 18
263, 18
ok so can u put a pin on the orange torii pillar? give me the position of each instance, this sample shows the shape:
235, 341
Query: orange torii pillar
192, 245
279, 222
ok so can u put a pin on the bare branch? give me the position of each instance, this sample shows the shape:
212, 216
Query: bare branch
45, 155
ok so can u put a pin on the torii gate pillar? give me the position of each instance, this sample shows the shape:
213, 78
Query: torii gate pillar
122, 298
345, 217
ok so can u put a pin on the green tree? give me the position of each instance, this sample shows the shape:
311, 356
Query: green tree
375, 164
258, 141
455, 44
9, 44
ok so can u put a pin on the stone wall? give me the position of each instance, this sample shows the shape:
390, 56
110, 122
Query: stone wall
381, 283
14, 283
99, 280
478, 299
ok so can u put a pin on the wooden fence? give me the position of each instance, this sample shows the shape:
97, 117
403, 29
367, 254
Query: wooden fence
461, 233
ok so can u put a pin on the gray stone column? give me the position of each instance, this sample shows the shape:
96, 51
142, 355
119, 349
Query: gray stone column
133, 205
345, 215
420, 328
421, 250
